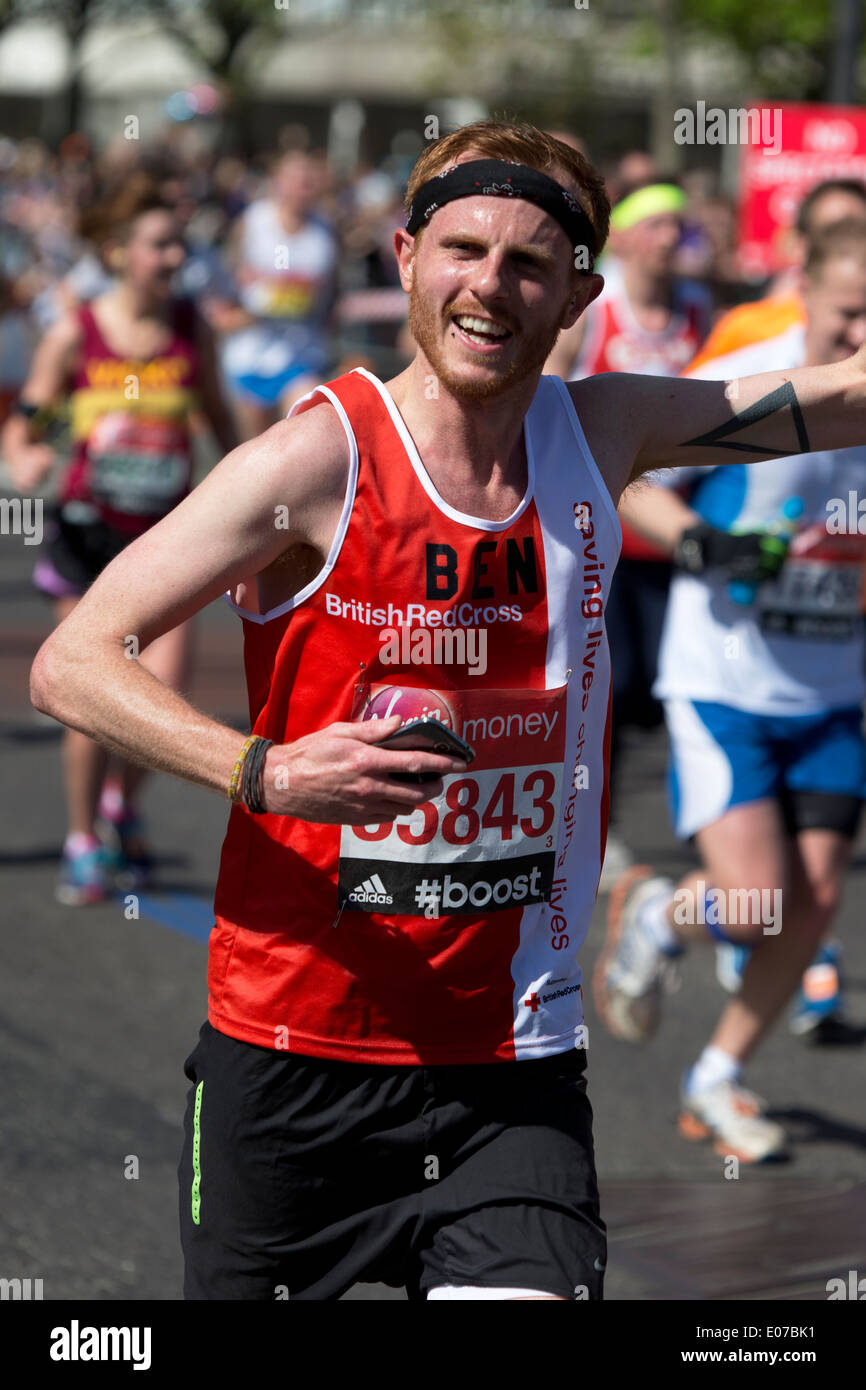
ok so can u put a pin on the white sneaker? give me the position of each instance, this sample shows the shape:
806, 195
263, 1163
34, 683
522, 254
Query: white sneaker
730, 964
734, 1119
632, 973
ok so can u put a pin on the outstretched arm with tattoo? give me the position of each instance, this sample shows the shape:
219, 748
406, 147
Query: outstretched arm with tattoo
663, 422
772, 415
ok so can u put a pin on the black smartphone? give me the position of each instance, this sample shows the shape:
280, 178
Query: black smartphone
430, 736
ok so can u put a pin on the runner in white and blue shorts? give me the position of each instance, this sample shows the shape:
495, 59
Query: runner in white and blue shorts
761, 674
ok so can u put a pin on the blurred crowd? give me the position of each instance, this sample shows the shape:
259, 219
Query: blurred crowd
50, 258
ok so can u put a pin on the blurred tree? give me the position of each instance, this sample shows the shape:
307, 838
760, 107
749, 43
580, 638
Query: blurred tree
74, 18
211, 31
787, 46
228, 27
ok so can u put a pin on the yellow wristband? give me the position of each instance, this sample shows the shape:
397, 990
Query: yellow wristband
239, 767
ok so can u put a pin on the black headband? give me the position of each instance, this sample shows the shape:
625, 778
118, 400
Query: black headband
503, 178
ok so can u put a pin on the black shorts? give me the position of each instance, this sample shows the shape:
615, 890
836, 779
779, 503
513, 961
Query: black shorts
301, 1176
74, 553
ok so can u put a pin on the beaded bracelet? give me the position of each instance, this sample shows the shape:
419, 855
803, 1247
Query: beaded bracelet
251, 787
238, 767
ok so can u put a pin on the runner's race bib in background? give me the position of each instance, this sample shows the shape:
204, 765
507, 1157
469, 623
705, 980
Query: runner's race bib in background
283, 296
138, 465
488, 842
817, 594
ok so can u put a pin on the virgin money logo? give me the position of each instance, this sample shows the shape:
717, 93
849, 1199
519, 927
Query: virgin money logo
830, 137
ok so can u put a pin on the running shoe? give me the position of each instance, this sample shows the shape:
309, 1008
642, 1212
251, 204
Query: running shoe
85, 877
126, 845
817, 1010
632, 973
730, 964
818, 1013
734, 1119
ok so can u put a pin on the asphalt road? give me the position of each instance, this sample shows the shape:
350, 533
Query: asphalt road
97, 1014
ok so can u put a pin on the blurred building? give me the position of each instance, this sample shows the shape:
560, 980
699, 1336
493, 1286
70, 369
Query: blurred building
358, 74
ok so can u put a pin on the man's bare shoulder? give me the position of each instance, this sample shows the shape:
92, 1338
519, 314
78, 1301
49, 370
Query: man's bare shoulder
311, 450
607, 406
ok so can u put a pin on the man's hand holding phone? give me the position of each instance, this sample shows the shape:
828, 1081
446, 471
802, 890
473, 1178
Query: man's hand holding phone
430, 735
352, 773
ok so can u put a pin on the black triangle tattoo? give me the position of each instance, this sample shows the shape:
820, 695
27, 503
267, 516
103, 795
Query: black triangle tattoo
768, 405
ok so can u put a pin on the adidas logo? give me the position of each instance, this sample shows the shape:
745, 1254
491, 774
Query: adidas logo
372, 890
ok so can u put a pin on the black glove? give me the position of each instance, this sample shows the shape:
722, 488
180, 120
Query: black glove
751, 557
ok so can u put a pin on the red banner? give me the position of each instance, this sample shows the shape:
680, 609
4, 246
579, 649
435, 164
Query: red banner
811, 143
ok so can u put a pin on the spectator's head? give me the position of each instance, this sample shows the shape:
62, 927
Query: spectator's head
296, 181
646, 227
567, 137
832, 201
635, 169
829, 202
833, 289
136, 233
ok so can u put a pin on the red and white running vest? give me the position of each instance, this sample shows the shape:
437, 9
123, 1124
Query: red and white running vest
449, 935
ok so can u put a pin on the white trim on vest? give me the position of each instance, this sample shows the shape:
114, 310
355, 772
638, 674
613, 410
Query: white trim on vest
477, 523
336, 545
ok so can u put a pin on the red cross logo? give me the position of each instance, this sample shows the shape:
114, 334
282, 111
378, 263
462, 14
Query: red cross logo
532, 1001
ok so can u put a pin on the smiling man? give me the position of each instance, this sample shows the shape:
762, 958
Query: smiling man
390, 1081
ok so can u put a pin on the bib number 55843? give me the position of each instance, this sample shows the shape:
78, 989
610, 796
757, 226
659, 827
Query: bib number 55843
520, 803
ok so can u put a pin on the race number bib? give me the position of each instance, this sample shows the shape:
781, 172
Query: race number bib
488, 842
817, 595
282, 297
138, 465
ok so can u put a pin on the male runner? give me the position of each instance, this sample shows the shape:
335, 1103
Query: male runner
763, 691
390, 1084
817, 1012
286, 266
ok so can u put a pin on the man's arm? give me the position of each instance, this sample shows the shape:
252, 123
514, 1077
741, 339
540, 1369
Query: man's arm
658, 514
638, 423
771, 415
28, 459
222, 533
